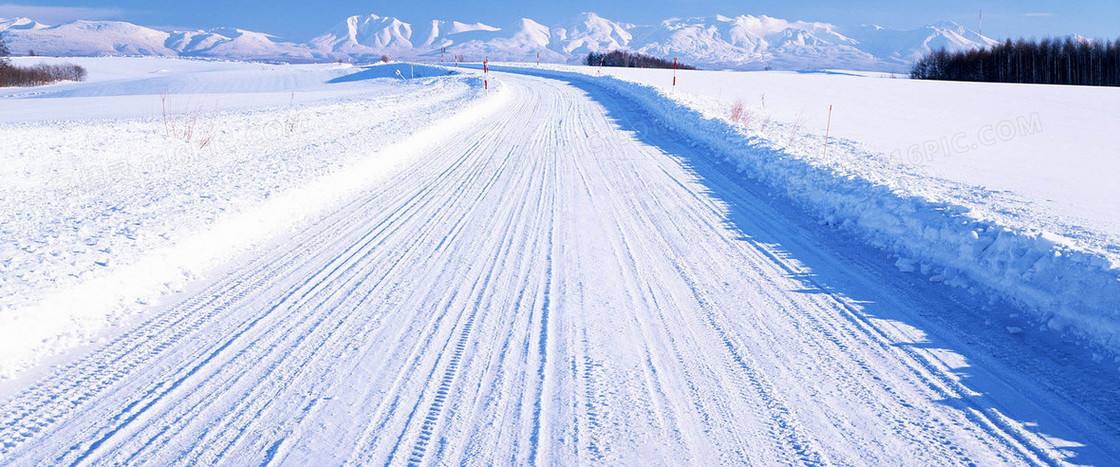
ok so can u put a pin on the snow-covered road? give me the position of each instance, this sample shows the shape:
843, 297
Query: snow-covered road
565, 283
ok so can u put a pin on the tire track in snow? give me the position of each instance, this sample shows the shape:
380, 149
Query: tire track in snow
135, 348
435, 407
316, 282
655, 227
478, 293
783, 424
486, 188
934, 378
352, 285
490, 371
593, 372
545, 290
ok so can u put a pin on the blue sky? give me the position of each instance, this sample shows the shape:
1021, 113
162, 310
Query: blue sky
299, 20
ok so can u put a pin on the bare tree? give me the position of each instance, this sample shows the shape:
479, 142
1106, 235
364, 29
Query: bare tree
1049, 61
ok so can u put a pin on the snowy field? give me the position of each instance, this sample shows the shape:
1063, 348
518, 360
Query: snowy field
121, 189
211, 262
135, 88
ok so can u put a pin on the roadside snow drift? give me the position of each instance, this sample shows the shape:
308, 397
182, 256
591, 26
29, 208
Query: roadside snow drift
102, 217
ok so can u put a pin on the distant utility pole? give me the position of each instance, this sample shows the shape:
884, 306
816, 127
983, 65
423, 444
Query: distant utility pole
981, 26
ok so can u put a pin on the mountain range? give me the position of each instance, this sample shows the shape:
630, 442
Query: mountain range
712, 42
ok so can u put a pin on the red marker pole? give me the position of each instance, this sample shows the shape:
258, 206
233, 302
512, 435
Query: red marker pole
538, 59
601, 61
674, 72
485, 71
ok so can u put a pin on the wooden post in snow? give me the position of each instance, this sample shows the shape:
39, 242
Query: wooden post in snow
827, 129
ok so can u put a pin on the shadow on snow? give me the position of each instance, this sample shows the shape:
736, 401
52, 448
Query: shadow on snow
952, 320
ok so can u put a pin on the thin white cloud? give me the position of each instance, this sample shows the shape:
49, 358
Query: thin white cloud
1038, 15
57, 14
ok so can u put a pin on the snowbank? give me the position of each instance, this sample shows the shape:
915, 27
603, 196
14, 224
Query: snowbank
1067, 289
101, 219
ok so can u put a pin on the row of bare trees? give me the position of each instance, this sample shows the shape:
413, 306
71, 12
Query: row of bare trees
1049, 61
37, 75
40, 74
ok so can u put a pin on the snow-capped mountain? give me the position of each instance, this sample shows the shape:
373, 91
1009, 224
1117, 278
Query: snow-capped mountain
741, 42
239, 43
97, 38
17, 24
590, 32
86, 38
529, 39
369, 37
747, 42
904, 47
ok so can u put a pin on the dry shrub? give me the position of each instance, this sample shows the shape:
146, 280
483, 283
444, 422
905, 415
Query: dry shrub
190, 127
291, 122
795, 129
738, 112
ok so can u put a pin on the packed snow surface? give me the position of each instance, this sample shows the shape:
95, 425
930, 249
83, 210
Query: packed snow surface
555, 270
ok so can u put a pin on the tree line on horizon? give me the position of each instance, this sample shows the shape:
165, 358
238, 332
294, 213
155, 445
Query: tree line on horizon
627, 59
36, 75
1048, 61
